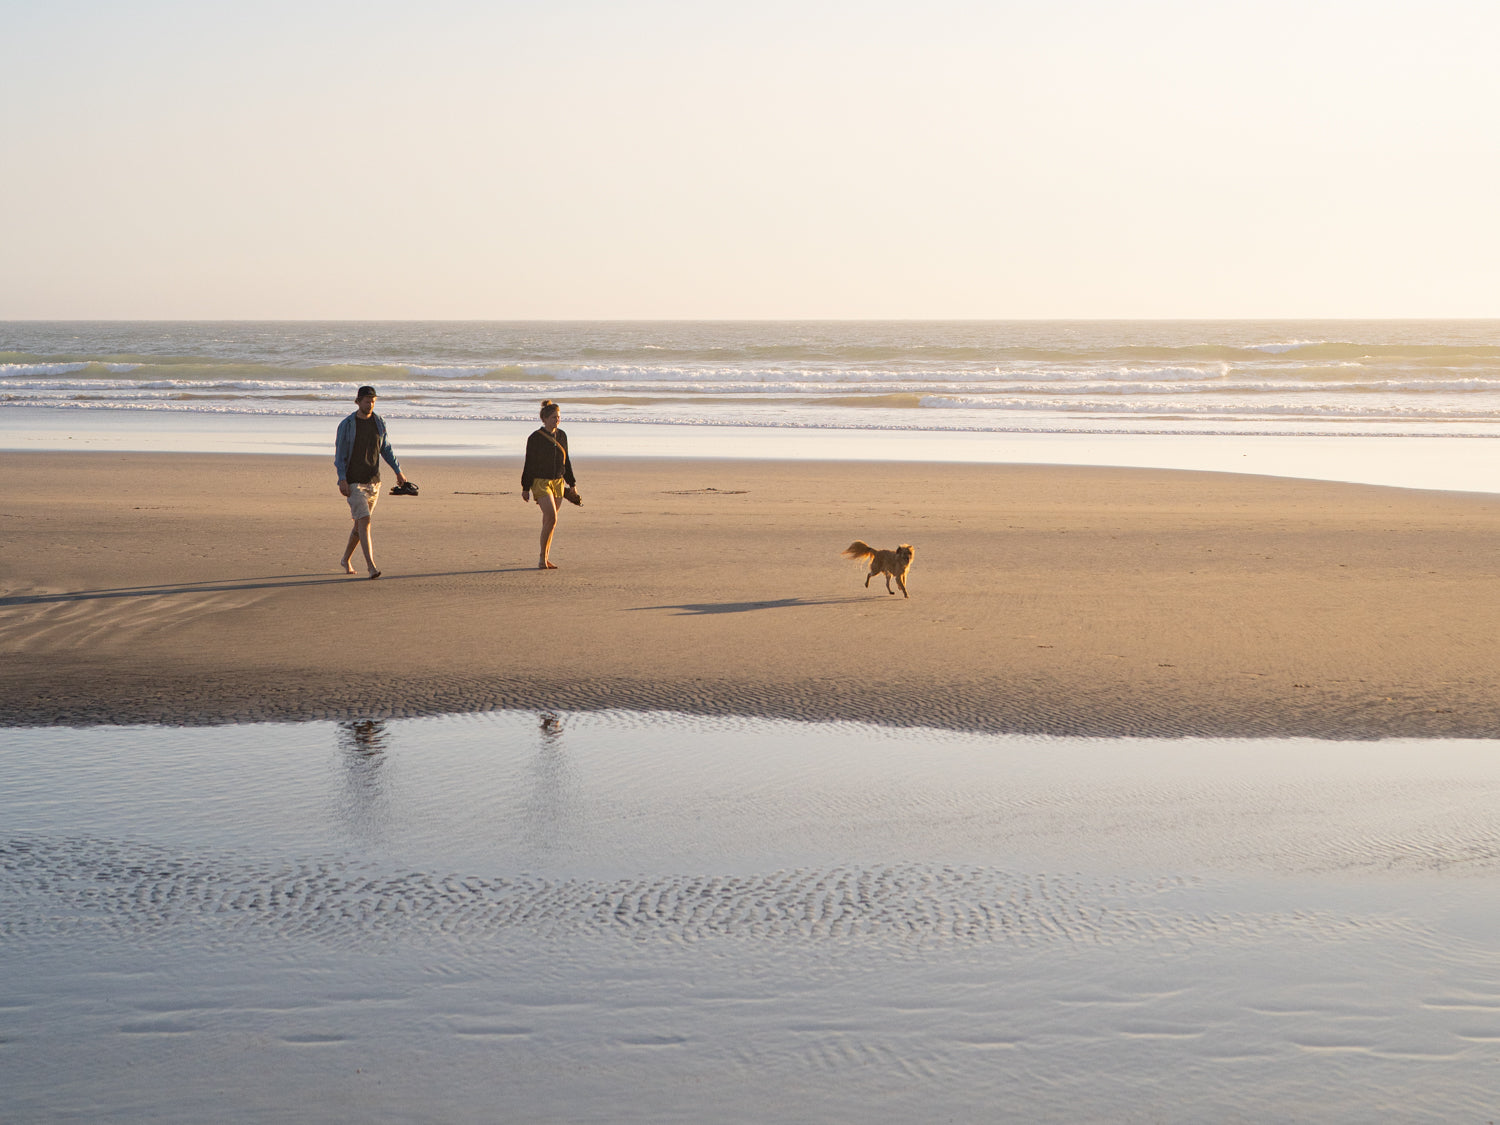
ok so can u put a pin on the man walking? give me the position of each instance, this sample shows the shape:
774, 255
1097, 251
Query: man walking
358, 449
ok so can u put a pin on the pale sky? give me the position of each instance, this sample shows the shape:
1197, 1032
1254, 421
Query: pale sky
569, 159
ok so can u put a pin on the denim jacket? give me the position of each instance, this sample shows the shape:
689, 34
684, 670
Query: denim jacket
343, 445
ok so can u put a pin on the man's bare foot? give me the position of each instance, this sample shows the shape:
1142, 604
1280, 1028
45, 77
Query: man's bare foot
348, 569
374, 573
546, 566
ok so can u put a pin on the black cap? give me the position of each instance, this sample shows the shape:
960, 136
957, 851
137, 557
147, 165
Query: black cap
365, 391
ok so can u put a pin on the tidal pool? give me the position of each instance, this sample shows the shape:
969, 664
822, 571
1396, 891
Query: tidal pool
646, 917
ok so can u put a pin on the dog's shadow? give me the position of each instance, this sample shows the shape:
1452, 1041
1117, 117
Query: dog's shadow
698, 609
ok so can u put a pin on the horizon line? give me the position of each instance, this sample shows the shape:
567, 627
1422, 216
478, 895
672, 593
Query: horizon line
743, 320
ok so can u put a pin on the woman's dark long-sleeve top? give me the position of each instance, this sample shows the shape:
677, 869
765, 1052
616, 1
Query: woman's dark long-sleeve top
544, 461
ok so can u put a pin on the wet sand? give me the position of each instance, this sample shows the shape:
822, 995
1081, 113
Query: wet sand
198, 589
616, 917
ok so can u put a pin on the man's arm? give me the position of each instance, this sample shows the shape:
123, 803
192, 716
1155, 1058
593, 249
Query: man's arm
342, 446
343, 442
390, 454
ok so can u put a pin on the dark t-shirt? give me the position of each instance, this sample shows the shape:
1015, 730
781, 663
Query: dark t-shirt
364, 459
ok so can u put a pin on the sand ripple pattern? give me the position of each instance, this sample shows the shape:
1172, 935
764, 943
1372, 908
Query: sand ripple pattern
52, 886
37, 621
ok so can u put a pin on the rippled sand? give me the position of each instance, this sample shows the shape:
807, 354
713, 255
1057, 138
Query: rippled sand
612, 916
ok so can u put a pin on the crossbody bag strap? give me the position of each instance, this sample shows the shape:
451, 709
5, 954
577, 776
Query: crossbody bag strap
561, 447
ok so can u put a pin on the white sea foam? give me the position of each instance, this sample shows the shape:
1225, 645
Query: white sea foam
1283, 348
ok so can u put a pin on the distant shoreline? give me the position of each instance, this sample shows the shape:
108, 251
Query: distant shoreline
1412, 461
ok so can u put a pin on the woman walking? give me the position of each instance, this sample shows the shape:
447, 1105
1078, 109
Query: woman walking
548, 473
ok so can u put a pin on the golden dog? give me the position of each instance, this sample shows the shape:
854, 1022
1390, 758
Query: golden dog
892, 564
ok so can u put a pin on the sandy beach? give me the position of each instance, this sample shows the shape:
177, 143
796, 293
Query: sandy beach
186, 588
564, 854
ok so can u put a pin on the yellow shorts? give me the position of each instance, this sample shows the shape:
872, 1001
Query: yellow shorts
553, 488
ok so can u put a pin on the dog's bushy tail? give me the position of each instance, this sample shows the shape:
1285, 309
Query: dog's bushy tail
859, 549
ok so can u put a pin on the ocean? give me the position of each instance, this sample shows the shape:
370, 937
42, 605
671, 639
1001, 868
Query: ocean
1265, 396
1239, 377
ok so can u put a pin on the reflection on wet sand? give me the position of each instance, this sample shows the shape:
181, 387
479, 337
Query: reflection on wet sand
550, 811
363, 804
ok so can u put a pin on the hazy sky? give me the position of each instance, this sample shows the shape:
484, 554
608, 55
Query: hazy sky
1015, 158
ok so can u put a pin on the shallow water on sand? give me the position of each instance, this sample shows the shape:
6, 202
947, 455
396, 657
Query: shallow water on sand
656, 917
1405, 461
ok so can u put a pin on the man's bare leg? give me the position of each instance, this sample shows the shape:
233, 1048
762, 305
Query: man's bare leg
349, 549
362, 533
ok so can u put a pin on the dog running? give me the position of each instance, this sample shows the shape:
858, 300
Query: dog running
892, 564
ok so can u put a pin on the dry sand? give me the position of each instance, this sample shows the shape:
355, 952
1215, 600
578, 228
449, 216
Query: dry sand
191, 589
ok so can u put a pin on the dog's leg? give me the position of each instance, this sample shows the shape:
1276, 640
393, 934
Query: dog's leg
888, 589
901, 581
867, 579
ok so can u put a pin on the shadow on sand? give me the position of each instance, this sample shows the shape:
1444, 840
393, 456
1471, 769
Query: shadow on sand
271, 582
700, 608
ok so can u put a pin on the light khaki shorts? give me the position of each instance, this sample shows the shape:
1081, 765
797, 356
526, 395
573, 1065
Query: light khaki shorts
554, 488
362, 499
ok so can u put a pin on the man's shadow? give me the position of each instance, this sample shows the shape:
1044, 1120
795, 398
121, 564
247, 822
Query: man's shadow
364, 805
270, 582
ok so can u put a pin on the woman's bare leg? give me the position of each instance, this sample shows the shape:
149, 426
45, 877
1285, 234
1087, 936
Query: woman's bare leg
548, 504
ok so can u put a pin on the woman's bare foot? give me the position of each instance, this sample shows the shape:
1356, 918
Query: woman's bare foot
347, 566
374, 573
544, 565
